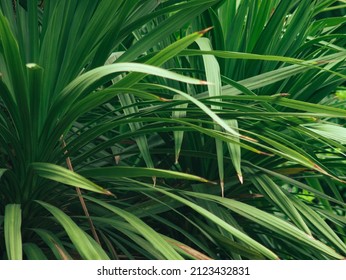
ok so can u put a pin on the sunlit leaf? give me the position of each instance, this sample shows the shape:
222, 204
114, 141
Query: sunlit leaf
65, 176
12, 231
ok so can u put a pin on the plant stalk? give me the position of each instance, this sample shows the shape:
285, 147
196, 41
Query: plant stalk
79, 193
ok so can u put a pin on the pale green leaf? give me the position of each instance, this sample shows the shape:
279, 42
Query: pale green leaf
12, 231
65, 176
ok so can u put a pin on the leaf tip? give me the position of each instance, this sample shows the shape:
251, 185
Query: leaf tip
202, 32
248, 138
240, 177
117, 159
177, 155
264, 153
165, 99
212, 182
31, 65
222, 184
282, 94
204, 83
106, 192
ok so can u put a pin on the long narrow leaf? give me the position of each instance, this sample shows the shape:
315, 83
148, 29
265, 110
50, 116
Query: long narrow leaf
12, 231
237, 233
33, 252
88, 248
65, 176
153, 237
126, 171
272, 222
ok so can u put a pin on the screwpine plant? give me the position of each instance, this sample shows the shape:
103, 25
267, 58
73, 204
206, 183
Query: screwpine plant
134, 130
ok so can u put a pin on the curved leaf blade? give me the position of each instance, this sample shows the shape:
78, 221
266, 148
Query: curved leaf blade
150, 234
127, 171
267, 220
88, 248
65, 176
232, 230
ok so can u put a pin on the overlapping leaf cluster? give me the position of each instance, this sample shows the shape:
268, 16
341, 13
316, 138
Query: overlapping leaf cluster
132, 130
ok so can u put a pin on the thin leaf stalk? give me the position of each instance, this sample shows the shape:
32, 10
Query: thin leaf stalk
80, 196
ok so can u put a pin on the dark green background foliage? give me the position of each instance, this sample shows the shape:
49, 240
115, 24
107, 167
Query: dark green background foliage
133, 130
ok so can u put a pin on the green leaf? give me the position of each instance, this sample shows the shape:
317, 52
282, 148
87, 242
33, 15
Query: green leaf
299, 185
16, 78
315, 219
232, 230
238, 55
126, 171
178, 135
53, 242
303, 106
2, 171
88, 248
212, 71
167, 27
205, 109
65, 176
277, 196
12, 231
33, 252
235, 150
150, 234
287, 230
231, 246
127, 100
38, 100
161, 57
330, 131
89, 82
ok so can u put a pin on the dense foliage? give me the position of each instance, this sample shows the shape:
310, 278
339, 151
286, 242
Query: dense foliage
200, 129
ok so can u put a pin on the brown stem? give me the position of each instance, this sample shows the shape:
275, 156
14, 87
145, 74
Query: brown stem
79, 193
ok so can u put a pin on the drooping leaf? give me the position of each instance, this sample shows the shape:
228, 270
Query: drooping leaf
127, 171
331, 131
88, 248
237, 233
65, 176
267, 220
53, 242
153, 237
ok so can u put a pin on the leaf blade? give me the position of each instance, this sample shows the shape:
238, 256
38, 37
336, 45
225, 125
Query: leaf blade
12, 231
88, 248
